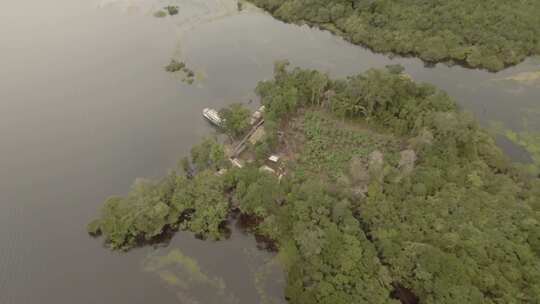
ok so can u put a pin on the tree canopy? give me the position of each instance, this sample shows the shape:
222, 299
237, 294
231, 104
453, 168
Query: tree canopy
488, 34
388, 186
460, 225
236, 119
180, 200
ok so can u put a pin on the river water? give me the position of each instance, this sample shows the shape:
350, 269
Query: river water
86, 107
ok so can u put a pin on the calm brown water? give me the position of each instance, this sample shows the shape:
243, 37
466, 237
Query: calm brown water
85, 108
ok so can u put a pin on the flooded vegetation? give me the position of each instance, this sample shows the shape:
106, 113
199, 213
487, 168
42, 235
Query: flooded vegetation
172, 9
167, 11
188, 76
160, 14
111, 113
373, 175
184, 274
527, 137
497, 34
525, 78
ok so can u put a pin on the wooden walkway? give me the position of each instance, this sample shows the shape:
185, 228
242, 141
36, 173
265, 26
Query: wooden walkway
242, 144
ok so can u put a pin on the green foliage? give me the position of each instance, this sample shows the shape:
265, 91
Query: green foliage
185, 264
175, 66
256, 191
530, 141
208, 154
184, 274
395, 68
488, 34
236, 119
351, 218
140, 216
197, 204
327, 256
528, 137
202, 201
179, 66
94, 227
160, 14
388, 98
330, 145
171, 9
460, 228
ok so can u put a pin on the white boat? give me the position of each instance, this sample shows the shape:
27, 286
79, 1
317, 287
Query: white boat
213, 116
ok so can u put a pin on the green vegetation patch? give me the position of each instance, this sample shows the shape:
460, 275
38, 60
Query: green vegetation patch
448, 228
236, 119
524, 78
330, 144
175, 66
171, 9
160, 14
528, 140
184, 274
179, 66
175, 260
153, 208
387, 187
483, 34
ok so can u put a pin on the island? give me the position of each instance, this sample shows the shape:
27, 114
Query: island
372, 189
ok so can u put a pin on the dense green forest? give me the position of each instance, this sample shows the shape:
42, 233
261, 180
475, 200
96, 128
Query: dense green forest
390, 192
488, 34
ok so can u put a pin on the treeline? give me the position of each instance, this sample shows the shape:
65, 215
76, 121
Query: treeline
461, 227
182, 200
488, 34
389, 187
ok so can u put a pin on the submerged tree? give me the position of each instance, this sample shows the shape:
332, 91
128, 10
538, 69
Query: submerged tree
175, 66
172, 9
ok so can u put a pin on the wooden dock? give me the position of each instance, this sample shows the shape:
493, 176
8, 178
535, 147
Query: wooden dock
241, 146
